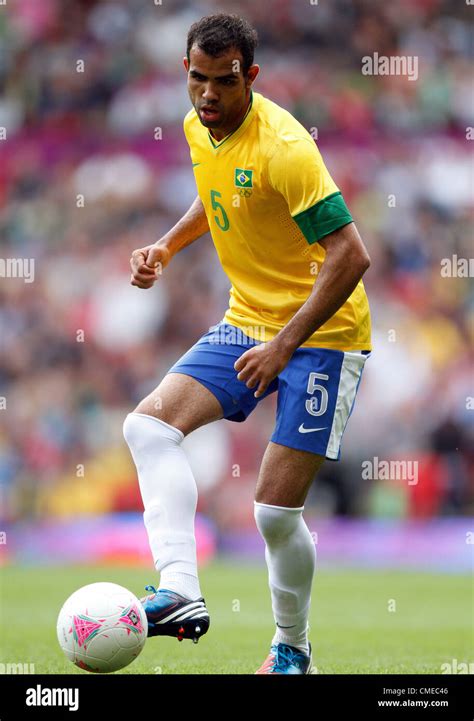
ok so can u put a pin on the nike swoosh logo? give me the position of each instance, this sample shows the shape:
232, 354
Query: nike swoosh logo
302, 429
194, 164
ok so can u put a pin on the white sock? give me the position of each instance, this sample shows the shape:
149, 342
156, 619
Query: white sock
169, 496
291, 559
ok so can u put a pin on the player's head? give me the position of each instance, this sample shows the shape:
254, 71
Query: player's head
219, 62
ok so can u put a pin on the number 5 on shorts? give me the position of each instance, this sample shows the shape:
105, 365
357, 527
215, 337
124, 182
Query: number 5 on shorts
317, 405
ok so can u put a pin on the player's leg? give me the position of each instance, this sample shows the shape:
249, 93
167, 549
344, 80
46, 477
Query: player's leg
183, 402
285, 477
154, 432
201, 387
316, 396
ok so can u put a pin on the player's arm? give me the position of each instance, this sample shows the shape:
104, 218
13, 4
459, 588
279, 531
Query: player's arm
345, 263
147, 263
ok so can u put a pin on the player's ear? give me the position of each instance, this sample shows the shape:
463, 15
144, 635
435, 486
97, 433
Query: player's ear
186, 63
252, 74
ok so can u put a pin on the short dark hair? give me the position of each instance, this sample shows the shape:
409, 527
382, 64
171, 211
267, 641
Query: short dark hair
215, 34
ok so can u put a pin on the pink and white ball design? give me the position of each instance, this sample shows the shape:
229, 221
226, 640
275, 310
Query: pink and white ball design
102, 627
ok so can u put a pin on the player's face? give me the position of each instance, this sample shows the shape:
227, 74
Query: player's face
218, 89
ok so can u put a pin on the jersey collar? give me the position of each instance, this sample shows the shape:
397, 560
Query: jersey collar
233, 137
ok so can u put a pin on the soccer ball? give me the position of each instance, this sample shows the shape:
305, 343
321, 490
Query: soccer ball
102, 627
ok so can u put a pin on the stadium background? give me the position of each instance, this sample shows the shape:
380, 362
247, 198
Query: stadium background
95, 164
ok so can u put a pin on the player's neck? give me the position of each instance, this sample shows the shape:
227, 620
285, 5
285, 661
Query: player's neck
221, 133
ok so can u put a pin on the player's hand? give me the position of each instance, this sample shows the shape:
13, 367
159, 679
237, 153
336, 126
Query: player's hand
147, 264
260, 365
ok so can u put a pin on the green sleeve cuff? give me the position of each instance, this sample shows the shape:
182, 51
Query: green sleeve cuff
328, 215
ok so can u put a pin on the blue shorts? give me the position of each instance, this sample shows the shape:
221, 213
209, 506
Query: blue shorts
316, 390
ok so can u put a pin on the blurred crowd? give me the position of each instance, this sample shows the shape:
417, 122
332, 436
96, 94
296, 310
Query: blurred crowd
94, 164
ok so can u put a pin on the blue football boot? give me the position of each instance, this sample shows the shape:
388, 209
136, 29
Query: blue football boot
284, 659
170, 614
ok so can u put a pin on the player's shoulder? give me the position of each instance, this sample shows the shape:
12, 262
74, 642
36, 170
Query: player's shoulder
190, 121
282, 132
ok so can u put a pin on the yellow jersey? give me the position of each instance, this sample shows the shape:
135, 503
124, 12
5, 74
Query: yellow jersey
269, 199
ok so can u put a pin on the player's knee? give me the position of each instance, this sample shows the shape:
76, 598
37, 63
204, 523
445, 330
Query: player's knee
148, 407
143, 432
153, 404
276, 523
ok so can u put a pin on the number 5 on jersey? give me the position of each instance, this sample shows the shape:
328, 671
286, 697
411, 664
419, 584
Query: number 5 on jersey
222, 220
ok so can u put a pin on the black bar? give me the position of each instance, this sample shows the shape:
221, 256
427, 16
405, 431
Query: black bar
120, 697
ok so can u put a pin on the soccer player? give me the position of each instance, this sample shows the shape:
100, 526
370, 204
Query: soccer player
298, 323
